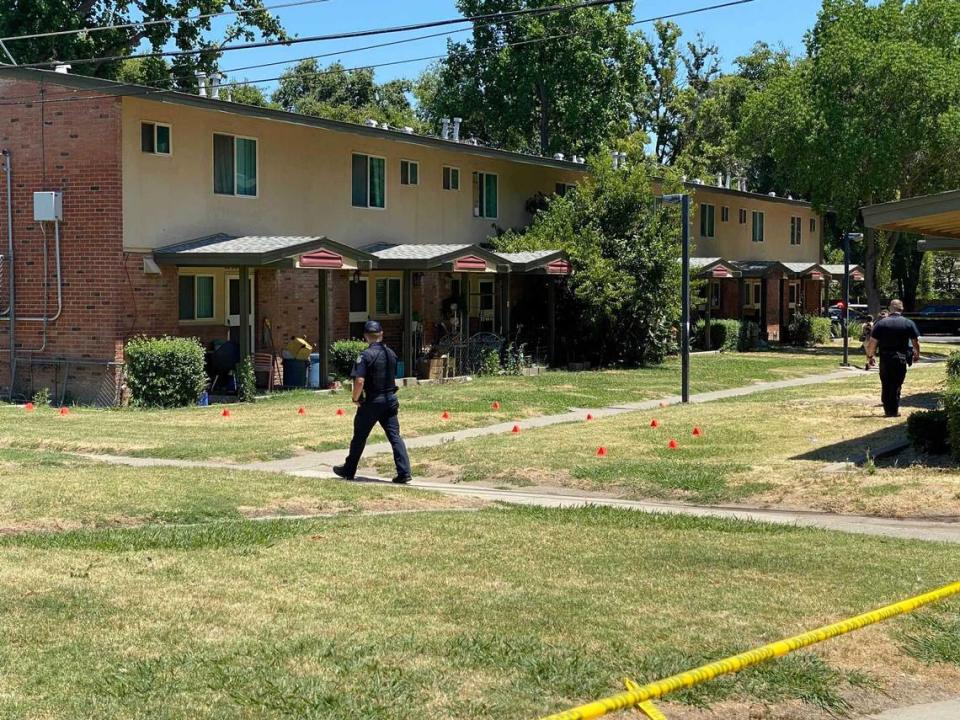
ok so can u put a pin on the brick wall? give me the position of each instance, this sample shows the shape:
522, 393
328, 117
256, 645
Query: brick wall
73, 147
775, 300
729, 299
811, 296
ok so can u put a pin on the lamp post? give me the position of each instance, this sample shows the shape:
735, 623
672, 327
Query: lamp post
683, 200
845, 313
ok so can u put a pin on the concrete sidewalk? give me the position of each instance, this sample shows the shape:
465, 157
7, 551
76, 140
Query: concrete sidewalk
315, 461
949, 710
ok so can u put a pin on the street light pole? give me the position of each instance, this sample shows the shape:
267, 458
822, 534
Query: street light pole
684, 202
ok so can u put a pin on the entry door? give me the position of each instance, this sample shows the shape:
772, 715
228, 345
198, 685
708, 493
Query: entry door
793, 298
359, 306
233, 311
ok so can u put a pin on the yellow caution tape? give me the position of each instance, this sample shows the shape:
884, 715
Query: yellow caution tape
645, 708
637, 695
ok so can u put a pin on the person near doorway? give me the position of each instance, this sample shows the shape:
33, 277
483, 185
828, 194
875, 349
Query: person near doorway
896, 341
375, 395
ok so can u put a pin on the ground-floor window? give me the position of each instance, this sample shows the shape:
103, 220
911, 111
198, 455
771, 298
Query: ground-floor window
752, 294
714, 294
196, 294
387, 297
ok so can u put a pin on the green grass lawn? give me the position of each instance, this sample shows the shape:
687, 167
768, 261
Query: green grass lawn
501, 613
771, 445
46, 490
272, 429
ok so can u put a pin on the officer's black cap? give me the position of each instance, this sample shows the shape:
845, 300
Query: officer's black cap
372, 327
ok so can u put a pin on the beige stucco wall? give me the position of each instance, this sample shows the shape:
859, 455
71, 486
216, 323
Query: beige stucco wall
304, 185
733, 241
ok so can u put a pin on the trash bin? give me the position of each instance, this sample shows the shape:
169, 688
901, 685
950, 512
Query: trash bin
294, 373
314, 375
400, 369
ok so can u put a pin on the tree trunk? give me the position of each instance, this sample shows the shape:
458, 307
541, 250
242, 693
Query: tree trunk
870, 271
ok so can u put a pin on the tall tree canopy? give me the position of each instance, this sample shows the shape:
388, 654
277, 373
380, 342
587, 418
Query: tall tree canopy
568, 94
25, 17
340, 94
871, 114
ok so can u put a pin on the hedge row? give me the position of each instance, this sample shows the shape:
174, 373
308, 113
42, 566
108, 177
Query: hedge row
727, 335
951, 402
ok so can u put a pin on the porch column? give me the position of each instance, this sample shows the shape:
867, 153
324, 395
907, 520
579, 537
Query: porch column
706, 322
505, 305
407, 322
244, 312
552, 320
323, 315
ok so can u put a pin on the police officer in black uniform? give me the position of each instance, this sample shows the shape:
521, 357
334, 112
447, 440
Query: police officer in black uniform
375, 395
896, 340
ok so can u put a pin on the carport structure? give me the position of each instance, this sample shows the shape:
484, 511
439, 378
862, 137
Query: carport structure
934, 217
416, 283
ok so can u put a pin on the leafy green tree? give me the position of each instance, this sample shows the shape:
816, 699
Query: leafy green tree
247, 94
340, 94
623, 299
569, 94
662, 71
23, 17
872, 113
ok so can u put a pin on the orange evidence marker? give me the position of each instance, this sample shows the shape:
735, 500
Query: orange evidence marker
654, 423
445, 416
697, 432
225, 413
495, 405
340, 412
64, 412
516, 430
601, 451
589, 417
302, 411
673, 445
28, 407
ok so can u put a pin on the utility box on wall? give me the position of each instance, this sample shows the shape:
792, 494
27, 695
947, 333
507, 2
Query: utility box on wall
47, 206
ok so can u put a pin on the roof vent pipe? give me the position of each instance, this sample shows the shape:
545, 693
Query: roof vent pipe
445, 129
407, 130
456, 129
772, 194
720, 180
62, 68
202, 84
558, 156
370, 123
214, 81
726, 181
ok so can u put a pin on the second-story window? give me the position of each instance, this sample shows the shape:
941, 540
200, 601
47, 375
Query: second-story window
485, 195
451, 178
562, 189
796, 228
234, 165
813, 225
707, 220
743, 216
155, 138
369, 181
409, 172
724, 214
757, 226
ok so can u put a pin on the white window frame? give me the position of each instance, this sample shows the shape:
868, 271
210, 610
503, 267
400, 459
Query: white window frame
753, 227
567, 187
753, 295
478, 212
213, 162
386, 176
813, 226
716, 294
796, 230
402, 183
156, 124
196, 319
449, 170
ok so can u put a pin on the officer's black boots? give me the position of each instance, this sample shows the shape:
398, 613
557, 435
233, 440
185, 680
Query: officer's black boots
402, 479
341, 471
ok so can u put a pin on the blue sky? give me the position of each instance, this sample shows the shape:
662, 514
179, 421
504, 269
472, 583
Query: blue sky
733, 29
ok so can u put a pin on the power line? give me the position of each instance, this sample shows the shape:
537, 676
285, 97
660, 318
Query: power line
165, 21
143, 91
334, 36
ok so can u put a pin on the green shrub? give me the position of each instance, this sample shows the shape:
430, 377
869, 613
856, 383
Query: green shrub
928, 431
165, 371
723, 334
246, 381
856, 330
951, 401
805, 330
343, 356
748, 336
489, 363
953, 365
41, 398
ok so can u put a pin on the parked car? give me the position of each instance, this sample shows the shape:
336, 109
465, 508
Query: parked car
854, 312
937, 319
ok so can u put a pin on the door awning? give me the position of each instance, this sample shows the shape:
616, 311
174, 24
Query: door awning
223, 250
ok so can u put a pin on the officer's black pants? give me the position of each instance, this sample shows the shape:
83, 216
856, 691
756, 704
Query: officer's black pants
382, 409
893, 371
